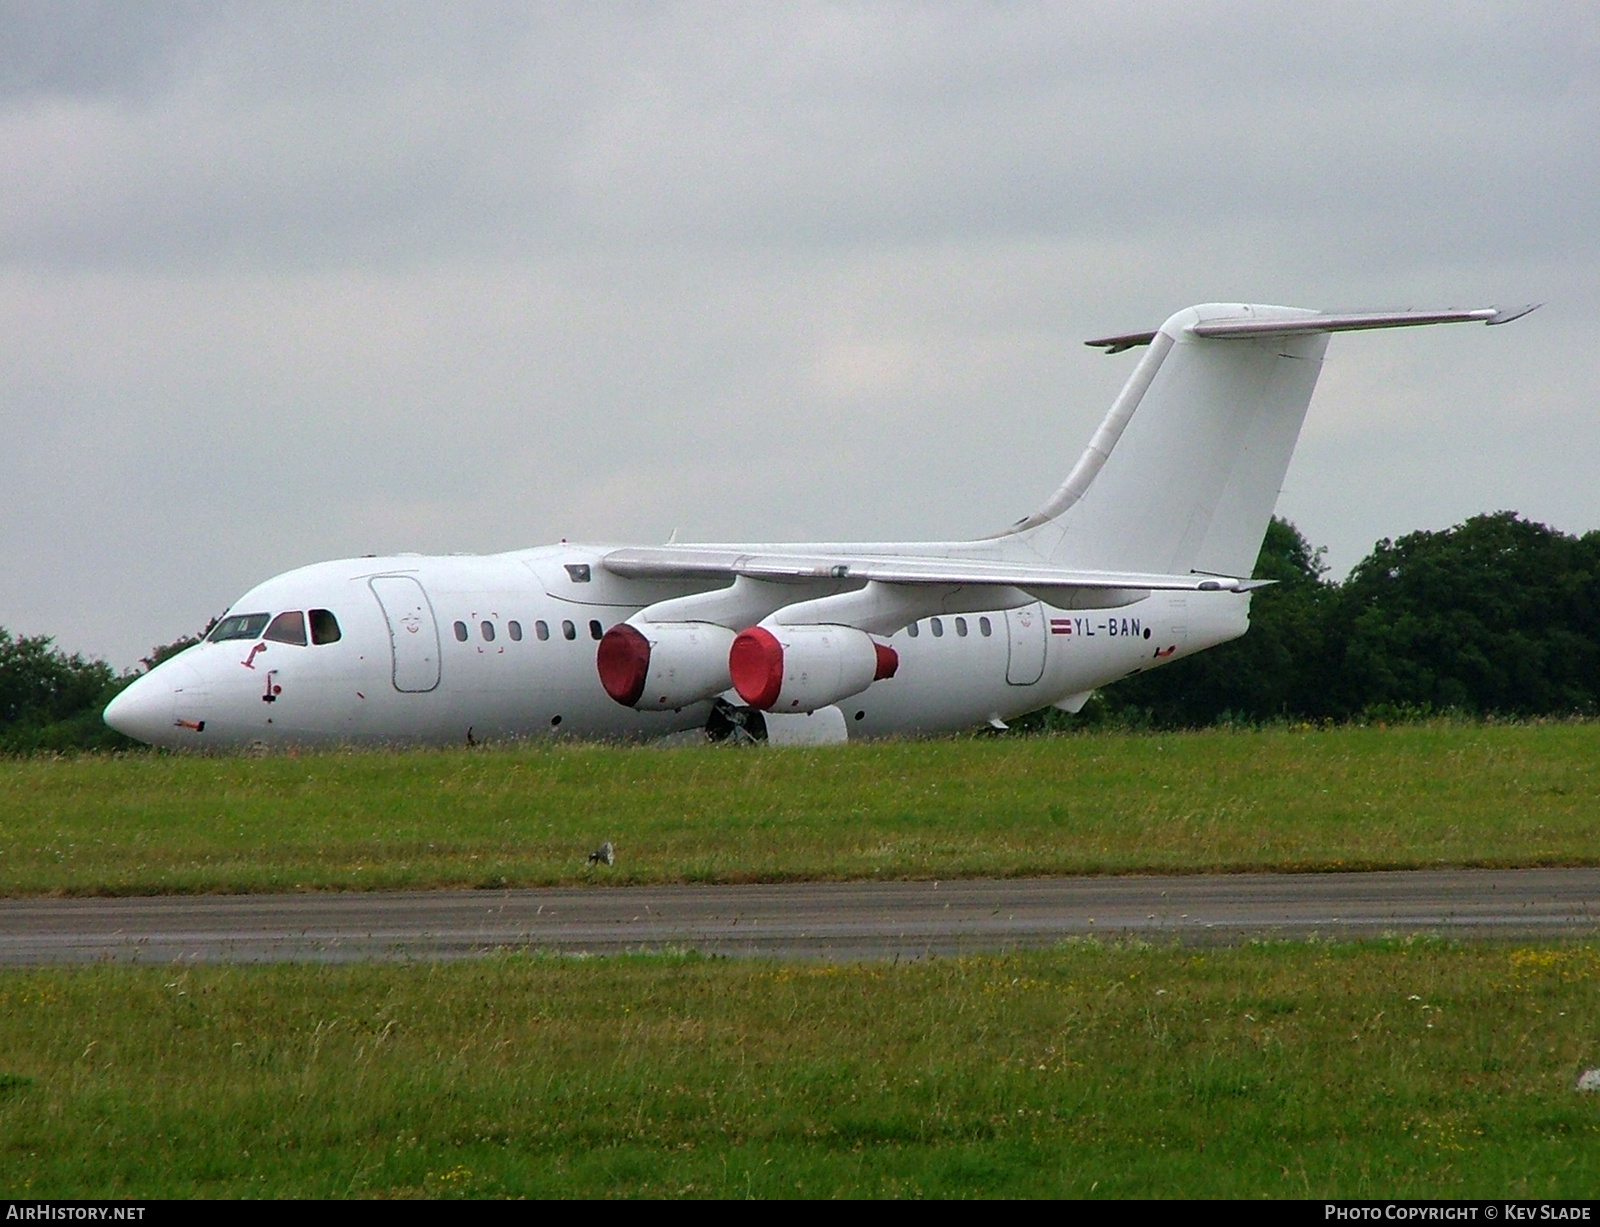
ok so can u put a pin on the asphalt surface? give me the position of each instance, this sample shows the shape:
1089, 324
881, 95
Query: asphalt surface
840, 920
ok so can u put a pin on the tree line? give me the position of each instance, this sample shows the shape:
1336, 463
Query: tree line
51, 701
1498, 616
1495, 617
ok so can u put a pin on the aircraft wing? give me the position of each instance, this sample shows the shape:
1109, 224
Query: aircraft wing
690, 561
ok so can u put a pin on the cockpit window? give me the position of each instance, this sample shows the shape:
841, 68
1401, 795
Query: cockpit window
239, 626
324, 626
289, 627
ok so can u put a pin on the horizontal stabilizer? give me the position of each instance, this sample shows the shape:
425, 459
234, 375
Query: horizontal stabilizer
1248, 325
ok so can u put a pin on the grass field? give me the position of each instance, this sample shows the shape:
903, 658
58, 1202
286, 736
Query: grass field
1345, 798
1365, 1070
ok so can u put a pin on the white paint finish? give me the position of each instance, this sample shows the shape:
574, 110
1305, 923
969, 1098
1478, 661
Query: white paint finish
688, 662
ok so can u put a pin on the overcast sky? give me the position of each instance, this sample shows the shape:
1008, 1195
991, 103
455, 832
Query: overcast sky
281, 283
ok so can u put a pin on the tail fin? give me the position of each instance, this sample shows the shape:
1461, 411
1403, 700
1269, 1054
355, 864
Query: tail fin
1184, 472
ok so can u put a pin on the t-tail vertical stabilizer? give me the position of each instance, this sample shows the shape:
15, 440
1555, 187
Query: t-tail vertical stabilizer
1183, 473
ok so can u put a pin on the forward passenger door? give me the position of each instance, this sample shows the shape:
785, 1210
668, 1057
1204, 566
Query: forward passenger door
413, 632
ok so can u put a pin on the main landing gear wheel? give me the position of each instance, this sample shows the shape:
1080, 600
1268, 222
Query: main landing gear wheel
740, 725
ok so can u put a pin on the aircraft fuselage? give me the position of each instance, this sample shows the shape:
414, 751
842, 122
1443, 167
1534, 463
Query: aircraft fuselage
446, 650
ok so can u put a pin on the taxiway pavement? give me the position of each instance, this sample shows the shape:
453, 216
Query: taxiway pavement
840, 920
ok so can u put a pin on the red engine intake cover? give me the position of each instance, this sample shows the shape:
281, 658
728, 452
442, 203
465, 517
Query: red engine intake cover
624, 663
888, 661
755, 665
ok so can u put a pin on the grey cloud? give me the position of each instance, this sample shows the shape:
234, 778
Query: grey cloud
95, 48
281, 282
332, 135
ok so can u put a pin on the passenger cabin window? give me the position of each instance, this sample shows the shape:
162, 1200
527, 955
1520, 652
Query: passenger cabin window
961, 627
912, 630
568, 630
541, 628
596, 631
239, 626
937, 627
984, 627
487, 629
461, 631
324, 626
514, 629
288, 627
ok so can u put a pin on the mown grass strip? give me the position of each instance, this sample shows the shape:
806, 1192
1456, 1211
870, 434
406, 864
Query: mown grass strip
1400, 1069
1346, 798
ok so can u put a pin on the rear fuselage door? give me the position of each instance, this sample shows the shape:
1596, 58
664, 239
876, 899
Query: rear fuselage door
1025, 643
413, 632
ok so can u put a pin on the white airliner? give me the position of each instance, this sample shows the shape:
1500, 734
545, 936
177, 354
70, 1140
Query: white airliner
1142, 557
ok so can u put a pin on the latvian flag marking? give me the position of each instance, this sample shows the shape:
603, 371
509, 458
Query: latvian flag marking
1061, 626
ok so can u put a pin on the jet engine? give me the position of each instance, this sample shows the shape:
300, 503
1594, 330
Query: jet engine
801, 668
662, 666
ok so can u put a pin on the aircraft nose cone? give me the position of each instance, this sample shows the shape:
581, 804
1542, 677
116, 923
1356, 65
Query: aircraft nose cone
144, 710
